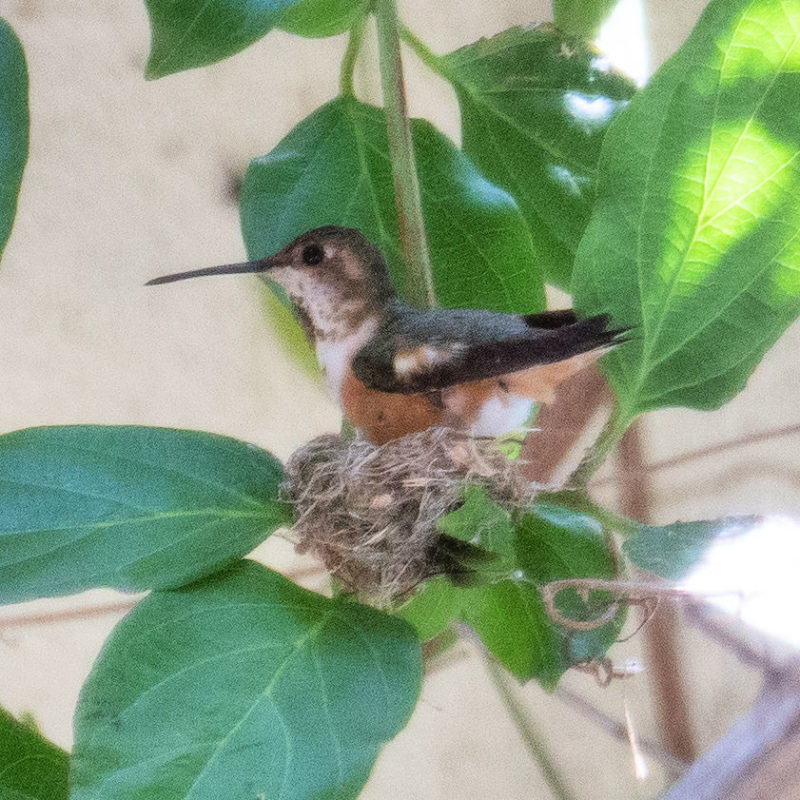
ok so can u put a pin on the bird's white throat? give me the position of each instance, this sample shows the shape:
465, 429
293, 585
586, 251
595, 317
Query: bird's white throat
335, 353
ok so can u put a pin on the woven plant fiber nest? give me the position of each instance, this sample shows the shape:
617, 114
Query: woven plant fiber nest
370, 512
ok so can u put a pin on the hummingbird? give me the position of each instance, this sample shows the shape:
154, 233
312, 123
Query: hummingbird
396, 369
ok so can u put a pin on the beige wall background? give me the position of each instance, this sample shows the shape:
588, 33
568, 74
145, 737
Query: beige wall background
130, 179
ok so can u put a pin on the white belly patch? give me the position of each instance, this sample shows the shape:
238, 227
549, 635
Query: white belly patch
334, 355
502, 414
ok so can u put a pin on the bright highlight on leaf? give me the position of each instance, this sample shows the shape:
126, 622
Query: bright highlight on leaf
13, 126
535, 106
671, 551
243, 686
694, 238
130, 507
334, 169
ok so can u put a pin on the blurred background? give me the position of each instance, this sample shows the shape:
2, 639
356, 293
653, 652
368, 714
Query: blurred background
129, 179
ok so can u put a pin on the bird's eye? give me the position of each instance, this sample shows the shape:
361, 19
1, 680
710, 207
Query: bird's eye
312, 254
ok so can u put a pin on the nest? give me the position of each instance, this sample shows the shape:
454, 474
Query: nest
370, 512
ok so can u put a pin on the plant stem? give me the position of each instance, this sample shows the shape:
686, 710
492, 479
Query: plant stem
608, 439
423, 52
419, 287
351, 56
532, 738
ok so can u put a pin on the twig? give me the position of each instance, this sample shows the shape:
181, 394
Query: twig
617, 729
754, 759
532, 738
661, 641
625, 592
66, 615
698, 615
705, 452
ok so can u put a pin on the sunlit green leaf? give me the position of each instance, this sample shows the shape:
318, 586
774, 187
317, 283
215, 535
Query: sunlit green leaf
315, 18
130, 507
13, 126
334, 169
186, 33
670, 551
535, 106
694, 239
31, 768
239, 687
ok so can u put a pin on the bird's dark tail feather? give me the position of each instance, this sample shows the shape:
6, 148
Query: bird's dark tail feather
460, 561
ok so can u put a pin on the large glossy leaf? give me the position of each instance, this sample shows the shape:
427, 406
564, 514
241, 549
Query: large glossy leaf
13, 126
187, 33
694, 239
314, 18
670, 551
506, 611
334, 169
535, 106
239, 687
130, 507
31, 768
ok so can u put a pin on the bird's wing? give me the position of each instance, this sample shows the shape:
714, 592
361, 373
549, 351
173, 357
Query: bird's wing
418, 351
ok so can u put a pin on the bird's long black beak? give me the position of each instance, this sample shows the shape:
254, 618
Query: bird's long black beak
262, 265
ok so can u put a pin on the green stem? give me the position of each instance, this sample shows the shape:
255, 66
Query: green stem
534, 740
423, 52
419, 288
608, 439
350, 57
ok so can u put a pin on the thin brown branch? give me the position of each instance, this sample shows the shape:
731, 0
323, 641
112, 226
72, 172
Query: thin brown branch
699, 616
661, 634
617, 729
706, 452
26, 620
642, 593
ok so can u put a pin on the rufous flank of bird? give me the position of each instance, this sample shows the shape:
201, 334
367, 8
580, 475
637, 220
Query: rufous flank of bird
396, 369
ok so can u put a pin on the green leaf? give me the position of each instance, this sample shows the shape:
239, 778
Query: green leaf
334, 169
433, 609
550, 543
31, 768
670, 551
243, 686
694, 238
482, 522
130, 507
511, 620
13, 126
581, 17
555, 543
186, 34
535, 106
315, 18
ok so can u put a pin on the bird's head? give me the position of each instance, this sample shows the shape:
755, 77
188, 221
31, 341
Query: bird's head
334, 276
